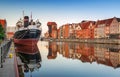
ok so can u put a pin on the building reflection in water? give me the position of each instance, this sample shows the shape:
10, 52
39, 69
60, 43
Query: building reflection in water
28, 63
52, 54
108, 55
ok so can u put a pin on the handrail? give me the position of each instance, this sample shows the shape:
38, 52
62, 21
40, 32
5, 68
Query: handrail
4, 48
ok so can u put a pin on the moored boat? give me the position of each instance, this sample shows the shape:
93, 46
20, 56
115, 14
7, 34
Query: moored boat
28, 33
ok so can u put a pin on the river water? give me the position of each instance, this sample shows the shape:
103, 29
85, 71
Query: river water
66, 59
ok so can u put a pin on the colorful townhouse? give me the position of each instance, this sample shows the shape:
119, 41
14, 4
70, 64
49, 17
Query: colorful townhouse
86, 29
60, 32
108, 28
76, 28
114, 28
66, 33
69, 30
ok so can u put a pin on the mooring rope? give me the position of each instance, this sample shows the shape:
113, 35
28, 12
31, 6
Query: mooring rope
22, 35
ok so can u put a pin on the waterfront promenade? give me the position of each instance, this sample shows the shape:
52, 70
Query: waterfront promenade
8, 68
93, 41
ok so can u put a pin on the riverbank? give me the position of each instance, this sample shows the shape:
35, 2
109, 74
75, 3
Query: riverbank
97, 41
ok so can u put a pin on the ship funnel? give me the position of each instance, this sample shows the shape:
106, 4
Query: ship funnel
26, 21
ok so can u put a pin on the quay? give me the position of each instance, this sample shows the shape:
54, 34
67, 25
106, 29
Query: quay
92, 41
8, 63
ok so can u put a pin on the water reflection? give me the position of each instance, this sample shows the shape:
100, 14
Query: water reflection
26, 49
52, 54
28, 63
108, 55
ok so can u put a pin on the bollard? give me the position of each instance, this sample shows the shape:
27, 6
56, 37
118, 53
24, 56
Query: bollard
10, 55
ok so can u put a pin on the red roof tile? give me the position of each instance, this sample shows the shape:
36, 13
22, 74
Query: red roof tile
51, 23
107, 22
86, 24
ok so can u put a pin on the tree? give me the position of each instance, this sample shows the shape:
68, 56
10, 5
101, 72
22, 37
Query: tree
2, 32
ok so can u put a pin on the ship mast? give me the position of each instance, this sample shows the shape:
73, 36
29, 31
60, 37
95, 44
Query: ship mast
31, 20
23, 14
31, 16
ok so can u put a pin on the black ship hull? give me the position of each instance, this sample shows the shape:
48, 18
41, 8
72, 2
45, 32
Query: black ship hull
27, 34
27, 39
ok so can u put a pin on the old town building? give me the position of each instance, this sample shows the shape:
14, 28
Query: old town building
10, 30
60, 32
115, 28
52, 29
87, 29
108, 28
66, 29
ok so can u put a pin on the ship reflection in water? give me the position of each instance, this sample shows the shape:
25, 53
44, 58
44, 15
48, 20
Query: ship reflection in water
28, 63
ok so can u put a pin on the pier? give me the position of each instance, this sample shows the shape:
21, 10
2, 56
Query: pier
8, 65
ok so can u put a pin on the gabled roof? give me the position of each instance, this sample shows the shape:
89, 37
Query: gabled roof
51, 23
86, 24
107, 22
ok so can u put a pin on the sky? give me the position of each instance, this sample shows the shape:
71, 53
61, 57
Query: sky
59, 11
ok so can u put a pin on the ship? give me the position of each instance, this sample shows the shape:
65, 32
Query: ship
27, 33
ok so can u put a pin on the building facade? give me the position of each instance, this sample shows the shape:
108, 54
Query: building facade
52, 29
106, 28
10, 30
